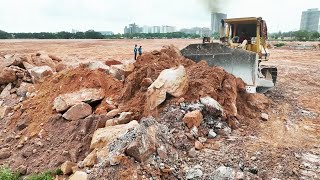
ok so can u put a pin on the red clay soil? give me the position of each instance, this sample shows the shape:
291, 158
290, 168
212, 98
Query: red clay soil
40, 108
67, 140
228, 90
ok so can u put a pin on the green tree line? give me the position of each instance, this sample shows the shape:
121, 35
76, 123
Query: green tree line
295, 35
93, 35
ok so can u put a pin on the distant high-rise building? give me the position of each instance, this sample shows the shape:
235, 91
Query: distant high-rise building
216, 21
155, 29
132, 29
168, 29
310, 20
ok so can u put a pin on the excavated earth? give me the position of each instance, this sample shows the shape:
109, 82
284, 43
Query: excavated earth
35, 138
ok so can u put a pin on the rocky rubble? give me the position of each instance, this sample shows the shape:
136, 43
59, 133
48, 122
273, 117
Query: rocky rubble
142, 121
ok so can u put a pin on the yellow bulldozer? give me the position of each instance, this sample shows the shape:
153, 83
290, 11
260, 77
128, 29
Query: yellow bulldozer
241, 51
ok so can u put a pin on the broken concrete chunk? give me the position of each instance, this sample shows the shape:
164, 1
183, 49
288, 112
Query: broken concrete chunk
193, 118
39, 72
103, 136
78, 111
143, 146
79, 175
173, 81
64, 101
66, 167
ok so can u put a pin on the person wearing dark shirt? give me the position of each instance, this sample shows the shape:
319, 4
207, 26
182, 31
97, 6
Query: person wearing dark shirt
135, 50
140, 50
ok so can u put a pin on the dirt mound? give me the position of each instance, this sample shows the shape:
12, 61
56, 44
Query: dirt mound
37, 131
215, 82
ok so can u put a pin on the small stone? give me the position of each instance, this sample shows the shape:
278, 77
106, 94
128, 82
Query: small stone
202, 139
115, 159
190, 136
253, 158
162, 152
193, 118
181, 100
17, 136
5, 153
22, 170
79, 175
91, 159
39, 143
194, 132
264, 116
66, 167
254, 170
192, 152
212, 134
65, 153
20, 146
239, 175
41, 134
161, 166
34, 151
198, 145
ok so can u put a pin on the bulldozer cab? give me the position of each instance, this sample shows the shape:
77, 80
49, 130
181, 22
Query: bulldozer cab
249, 34
241, 52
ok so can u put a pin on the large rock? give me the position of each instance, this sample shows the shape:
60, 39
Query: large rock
125, 117
79, 175
10, 60
66, 167
212, 105
143, 146
97, 65
173, 81
43, 59
7, 75
78, 111
89, 95
104, 136
39, 72
193, 118
120, 71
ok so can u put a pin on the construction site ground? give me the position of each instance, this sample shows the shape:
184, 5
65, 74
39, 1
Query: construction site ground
287, 146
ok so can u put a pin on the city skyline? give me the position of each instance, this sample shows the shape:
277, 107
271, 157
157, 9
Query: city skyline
58, 15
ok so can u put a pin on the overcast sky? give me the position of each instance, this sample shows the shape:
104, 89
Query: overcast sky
113, 15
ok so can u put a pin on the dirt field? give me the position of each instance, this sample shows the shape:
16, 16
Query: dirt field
287, 146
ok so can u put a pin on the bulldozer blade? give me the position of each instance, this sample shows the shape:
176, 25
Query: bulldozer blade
241, 63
